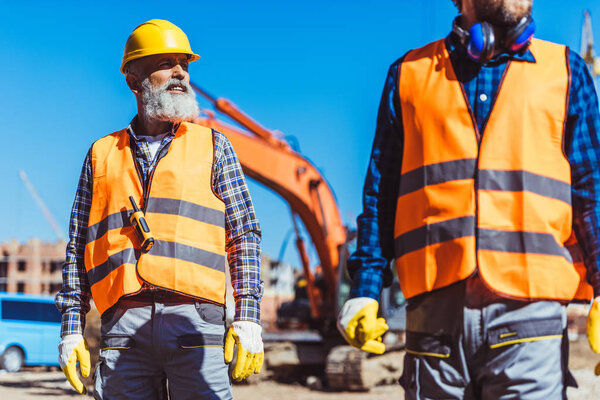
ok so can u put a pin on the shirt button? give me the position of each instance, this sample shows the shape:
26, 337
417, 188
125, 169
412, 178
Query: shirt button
483, 97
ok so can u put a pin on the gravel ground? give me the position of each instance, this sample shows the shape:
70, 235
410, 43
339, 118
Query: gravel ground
36, 385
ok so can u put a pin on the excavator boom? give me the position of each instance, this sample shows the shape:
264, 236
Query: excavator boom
272, 162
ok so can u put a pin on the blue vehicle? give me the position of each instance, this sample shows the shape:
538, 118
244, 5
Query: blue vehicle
29, 331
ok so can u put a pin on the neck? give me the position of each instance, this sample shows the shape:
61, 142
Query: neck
146, 126
467, 20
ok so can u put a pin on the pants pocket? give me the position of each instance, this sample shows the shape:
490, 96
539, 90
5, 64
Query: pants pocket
420, 345
430, 367
211, 313
197, 340
426, 344
525, 331
116, 342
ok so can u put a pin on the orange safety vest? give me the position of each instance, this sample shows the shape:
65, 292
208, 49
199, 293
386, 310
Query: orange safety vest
498, 201
186, 218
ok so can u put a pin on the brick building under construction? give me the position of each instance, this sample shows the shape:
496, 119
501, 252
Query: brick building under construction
33, 267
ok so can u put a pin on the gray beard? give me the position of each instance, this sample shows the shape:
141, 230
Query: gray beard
159, 104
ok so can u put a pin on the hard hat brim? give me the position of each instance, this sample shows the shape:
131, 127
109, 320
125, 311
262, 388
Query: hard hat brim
135, 55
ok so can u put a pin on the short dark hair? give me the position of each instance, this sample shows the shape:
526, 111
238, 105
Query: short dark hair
458, 4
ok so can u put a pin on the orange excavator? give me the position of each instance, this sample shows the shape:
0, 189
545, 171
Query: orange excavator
268, 158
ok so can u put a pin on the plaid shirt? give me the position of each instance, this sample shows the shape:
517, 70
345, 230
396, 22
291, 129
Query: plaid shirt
241, 229
369, 266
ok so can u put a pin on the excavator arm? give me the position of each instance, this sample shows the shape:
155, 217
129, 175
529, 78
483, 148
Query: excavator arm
271, 161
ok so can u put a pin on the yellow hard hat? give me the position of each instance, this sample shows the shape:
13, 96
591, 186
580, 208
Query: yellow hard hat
156, 36
302, 283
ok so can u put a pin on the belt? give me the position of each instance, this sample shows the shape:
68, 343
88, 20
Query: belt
162, 296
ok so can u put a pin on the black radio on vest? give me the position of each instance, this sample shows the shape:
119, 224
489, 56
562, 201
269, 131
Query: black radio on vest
141, 227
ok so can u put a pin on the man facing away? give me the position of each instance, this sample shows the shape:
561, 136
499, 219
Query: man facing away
484, 168
158, 278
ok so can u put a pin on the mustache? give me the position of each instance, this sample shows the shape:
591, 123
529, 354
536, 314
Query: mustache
173, 83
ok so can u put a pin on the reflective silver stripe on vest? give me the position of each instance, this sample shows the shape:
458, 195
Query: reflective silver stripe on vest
191, 254
187, 209
521, 242
158, 205
113, 262
518, 181
161, 248
434, 233
433, 174
501, 180
113, 221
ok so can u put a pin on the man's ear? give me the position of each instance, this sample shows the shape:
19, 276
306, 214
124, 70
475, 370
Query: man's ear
133, 83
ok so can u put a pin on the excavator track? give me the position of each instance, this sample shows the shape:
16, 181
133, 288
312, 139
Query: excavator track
348, 368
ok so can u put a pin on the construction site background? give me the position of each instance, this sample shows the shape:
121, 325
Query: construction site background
35, 267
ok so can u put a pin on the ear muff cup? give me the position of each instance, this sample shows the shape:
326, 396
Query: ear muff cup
519, 37
481, 44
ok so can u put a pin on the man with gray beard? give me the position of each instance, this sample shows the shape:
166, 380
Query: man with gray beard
160, 104
484, 189
161, 207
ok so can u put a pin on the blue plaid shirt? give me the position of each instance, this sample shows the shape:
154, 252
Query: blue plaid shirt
369, 266
241, 229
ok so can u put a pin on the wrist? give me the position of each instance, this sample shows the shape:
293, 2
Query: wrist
247, 308
367, 283
72, 337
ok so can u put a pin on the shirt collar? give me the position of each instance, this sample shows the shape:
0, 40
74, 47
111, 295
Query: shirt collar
453, 44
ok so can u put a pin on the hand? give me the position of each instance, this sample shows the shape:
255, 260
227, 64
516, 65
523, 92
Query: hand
250, 352
71, 349
359, 325
593, 329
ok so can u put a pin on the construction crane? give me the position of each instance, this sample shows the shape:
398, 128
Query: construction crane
587, 47
37, 198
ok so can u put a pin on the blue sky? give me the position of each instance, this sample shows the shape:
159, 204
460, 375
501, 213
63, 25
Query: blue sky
311, 69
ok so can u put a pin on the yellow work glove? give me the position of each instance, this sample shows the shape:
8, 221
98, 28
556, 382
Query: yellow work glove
593, 329
73, 349
247, 336
359, 325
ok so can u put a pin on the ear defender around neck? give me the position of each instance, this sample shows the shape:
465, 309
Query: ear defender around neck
518, 38
480, 40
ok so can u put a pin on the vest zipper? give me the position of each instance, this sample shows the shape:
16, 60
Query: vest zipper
138, 171
146, 193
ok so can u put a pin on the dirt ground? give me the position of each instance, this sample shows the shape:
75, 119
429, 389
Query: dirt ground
37, 385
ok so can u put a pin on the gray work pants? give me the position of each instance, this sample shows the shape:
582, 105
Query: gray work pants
146, 343
465, 342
